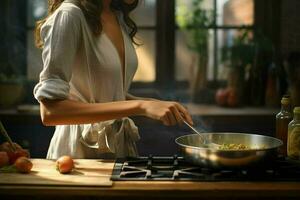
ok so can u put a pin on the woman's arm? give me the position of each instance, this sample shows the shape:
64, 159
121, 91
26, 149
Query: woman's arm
62, 112
132, 97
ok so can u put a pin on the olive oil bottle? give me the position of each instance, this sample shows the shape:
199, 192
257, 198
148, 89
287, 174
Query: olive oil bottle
283, 118
293, 150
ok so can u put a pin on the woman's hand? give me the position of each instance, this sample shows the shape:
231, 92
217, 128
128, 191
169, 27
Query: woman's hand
169, 113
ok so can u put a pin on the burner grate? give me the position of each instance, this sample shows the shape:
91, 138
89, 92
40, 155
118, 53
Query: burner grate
177, 169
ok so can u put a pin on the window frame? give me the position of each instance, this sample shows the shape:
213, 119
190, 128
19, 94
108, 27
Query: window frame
166, 43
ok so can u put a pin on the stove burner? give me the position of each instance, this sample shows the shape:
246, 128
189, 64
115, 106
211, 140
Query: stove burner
176, 168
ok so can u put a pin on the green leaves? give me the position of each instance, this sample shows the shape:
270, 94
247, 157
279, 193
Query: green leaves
245, 46
194, 20
8, 169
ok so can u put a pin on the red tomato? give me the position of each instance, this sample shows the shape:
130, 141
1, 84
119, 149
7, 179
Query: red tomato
232, 100
65, 164
221, 96
23, 165
14, 155
4, 159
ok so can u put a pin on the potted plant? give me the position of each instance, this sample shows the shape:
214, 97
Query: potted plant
11, 85
238, 58
247, 59
194, 22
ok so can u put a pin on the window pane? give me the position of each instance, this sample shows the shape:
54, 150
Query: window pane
34, 58
36, 10
186, 60
185, 8
146, 56
235, 12
227, 41
145, 13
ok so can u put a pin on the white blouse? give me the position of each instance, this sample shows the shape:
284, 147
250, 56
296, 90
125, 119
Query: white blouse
81, 66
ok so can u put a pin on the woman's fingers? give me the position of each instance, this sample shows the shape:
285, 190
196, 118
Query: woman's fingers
165, 120
169, 113
185, 114
177, 115
172, 118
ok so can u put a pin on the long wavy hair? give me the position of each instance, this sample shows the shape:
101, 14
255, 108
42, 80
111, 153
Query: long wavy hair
92, 10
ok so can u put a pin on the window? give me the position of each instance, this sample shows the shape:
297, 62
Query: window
154, 17
36, 10
228, 18
145, 18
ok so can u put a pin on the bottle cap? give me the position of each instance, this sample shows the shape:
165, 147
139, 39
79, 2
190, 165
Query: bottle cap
297, 110
285, 100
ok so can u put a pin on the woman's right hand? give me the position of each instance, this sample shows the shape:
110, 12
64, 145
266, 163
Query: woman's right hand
168, 112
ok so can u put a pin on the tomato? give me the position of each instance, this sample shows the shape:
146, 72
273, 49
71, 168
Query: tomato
222, 96
14, 155
233, 100
4, 159
65, 164
23, 165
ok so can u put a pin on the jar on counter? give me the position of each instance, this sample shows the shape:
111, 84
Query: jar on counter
283, 118
293, 149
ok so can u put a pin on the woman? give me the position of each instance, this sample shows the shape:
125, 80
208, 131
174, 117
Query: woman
89, 62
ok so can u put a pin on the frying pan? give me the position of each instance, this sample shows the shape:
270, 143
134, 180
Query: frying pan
262, 150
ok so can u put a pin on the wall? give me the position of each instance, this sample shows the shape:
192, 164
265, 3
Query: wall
290, 26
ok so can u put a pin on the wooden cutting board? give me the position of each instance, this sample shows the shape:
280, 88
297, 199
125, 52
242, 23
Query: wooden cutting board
87, 173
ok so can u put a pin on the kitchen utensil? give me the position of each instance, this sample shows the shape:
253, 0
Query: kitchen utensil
4, 133
262, 149
205, 142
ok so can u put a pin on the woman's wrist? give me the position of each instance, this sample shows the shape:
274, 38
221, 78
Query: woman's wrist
140, 107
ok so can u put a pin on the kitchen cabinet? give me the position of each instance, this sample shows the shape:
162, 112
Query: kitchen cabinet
52, 185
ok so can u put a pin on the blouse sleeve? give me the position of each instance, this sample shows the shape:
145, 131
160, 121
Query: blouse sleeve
61, 36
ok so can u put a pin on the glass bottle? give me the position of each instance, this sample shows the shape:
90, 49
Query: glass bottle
293, 150
283, 118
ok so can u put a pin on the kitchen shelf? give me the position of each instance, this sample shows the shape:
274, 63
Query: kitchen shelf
213, 110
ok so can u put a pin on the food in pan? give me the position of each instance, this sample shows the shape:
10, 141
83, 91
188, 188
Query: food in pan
233, 146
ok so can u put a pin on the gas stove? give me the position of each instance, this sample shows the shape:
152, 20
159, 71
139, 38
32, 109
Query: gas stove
175, 168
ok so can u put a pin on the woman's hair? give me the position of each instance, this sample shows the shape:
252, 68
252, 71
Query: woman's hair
92, 11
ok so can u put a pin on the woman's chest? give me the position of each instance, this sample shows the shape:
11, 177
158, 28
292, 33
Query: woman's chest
99, 58
113, 32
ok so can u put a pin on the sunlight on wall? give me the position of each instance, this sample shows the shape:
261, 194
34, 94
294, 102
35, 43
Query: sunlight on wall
146, 56
238, 12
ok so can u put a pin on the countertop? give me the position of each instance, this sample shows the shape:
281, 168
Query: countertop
18, 188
